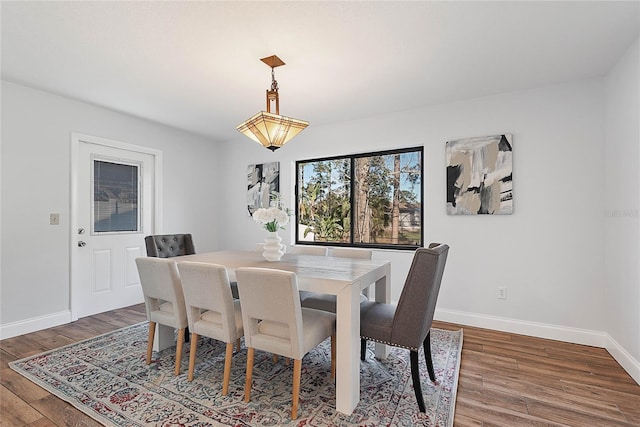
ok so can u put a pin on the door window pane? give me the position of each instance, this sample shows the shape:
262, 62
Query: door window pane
115, 197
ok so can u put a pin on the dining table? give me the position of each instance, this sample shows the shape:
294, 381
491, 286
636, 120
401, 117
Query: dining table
343, 277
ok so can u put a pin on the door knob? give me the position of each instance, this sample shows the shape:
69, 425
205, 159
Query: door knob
81, 244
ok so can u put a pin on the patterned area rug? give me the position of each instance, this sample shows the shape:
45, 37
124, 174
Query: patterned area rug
106, 377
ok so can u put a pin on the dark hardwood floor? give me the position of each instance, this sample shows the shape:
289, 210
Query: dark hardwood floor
505, 379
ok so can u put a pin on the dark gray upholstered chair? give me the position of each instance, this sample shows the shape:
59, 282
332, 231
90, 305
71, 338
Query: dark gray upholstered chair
169, 245
408, 324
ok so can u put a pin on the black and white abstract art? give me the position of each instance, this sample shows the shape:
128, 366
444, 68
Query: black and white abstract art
479, 175
262, 180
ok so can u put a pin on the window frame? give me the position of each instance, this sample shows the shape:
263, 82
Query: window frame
352, 159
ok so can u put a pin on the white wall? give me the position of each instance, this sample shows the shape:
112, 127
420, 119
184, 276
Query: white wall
622, 207
36, 140
548, 254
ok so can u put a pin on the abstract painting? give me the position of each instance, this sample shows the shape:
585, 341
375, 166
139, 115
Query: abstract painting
262, 180
479, 175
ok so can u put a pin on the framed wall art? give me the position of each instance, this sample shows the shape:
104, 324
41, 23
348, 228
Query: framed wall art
479, 175
262, 179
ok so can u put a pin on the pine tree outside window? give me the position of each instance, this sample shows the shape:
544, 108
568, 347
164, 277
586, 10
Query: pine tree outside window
369, 200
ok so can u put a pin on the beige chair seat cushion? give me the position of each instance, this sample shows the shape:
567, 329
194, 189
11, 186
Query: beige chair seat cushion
165, 316
274, 336
315, 335
210, 323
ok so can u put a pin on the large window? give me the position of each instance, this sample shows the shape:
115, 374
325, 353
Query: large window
367, 200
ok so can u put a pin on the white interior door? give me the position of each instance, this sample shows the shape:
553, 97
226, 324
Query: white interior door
113, 209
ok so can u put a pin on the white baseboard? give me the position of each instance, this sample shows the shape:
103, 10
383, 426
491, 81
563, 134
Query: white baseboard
515, 326
548, 331
623, 357
34, 324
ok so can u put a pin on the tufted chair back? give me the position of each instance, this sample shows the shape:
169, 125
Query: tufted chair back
169, 245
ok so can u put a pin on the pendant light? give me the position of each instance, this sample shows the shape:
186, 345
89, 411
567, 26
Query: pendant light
269, 129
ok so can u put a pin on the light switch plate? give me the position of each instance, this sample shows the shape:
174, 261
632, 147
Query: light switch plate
54, 219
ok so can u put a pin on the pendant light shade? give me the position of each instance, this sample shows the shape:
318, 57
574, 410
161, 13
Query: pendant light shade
268, 129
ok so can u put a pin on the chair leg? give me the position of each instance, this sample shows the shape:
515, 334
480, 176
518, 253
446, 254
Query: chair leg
192, 355
333, 357
415, 375
247, 384
227, 369
363, 348
297, 369
152, 334
238, 345
426, 345
179, 351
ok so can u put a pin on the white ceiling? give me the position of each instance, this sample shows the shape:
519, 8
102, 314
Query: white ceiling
195, 65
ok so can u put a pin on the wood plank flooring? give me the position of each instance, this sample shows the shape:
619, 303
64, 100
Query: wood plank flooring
505, 379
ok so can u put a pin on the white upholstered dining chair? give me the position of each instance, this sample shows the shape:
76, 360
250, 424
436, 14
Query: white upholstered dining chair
211, 310
275, 322
309, 250
356, 253
163, 300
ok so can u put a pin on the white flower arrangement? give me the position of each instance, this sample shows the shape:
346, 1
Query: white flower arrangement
274, 217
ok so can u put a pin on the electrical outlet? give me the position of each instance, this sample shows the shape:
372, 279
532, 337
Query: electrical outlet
54, 219
502, 292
